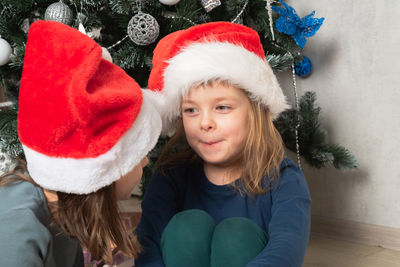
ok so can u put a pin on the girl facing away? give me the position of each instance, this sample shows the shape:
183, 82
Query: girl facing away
86, 128
226, 196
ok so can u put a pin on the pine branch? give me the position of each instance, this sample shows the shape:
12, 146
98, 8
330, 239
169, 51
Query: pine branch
280, 63
124, 7
9, 141
312, 138
344, 159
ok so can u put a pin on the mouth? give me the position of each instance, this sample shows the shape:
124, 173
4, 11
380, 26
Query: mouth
210, 143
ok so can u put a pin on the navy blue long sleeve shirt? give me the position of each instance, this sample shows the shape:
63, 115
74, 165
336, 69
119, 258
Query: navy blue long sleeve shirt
283, 212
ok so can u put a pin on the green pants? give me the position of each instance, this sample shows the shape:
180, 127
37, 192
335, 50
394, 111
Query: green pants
193, 239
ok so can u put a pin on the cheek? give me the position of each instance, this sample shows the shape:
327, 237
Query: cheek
189, 128
125, 185
238, 130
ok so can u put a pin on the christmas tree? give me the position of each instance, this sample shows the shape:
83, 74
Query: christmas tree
130, 29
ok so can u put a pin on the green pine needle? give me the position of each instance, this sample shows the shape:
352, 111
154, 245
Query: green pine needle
312, 138
280, 63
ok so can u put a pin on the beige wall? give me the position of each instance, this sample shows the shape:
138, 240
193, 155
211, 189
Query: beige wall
356, 74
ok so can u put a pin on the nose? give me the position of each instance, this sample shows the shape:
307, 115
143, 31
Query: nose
207, 122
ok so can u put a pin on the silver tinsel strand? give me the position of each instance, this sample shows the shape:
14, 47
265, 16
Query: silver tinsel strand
271, 26
240, 13
297, 116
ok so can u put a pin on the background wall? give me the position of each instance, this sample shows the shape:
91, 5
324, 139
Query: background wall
356, 74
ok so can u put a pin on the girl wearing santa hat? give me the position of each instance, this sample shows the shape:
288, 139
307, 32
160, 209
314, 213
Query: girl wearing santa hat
86, 128
228, 197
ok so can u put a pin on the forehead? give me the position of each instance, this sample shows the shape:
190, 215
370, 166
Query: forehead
215, 90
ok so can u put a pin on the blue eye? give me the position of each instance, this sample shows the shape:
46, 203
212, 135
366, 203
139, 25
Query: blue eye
223, 108
190, 110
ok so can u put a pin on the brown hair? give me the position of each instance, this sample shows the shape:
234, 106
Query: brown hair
92, 219
263, 138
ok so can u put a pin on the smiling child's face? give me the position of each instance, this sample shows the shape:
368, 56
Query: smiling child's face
215, 120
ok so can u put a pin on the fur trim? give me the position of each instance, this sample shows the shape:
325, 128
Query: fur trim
83, 176
201, 62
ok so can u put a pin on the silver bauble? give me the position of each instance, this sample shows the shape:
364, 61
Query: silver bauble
59, 12
143, 29
5, 51
169, 2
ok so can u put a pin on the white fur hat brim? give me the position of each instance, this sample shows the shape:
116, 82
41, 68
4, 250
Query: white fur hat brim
83, 176
204, 61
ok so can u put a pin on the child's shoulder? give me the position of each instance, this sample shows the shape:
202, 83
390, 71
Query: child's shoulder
22, 195
287, 163
291, 173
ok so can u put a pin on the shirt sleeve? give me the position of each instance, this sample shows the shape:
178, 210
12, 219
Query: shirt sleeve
289, 227
158, 207
24, 239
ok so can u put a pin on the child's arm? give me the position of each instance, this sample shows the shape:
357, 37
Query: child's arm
289, 227
24, 240
158, 207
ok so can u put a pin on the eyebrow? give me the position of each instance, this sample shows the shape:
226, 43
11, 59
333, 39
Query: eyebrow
222, 98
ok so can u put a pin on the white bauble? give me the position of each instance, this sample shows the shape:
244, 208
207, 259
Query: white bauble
169, 2
5, 52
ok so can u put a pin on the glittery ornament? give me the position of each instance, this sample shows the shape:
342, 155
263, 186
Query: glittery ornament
299, 28
210, 4
7, 164
169, 2
5, 51
303, 68
59, 12
143, 29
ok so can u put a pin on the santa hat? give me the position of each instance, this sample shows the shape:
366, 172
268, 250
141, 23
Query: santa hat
82, 121
217, 50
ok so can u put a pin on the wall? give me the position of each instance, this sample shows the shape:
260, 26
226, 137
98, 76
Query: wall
356, 72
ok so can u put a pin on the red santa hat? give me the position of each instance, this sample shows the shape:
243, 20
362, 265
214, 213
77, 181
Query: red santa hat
217, 50
82, 121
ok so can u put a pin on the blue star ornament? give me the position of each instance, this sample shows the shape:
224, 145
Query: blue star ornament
299, 28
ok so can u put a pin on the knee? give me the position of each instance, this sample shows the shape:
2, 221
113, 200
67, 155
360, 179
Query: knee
235, 234
186, 239
190, 220
237, 229
189, 225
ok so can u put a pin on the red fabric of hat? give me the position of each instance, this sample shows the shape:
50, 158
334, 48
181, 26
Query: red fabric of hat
78, 113
217, 50
65, 87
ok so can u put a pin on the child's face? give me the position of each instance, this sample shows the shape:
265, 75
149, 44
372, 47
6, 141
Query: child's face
215, 120
125, 184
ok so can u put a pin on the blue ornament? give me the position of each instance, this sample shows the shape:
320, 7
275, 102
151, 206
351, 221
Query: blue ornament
303, 67
290, 23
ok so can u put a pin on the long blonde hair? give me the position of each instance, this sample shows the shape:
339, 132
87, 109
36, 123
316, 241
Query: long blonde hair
262, 154
92, 219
